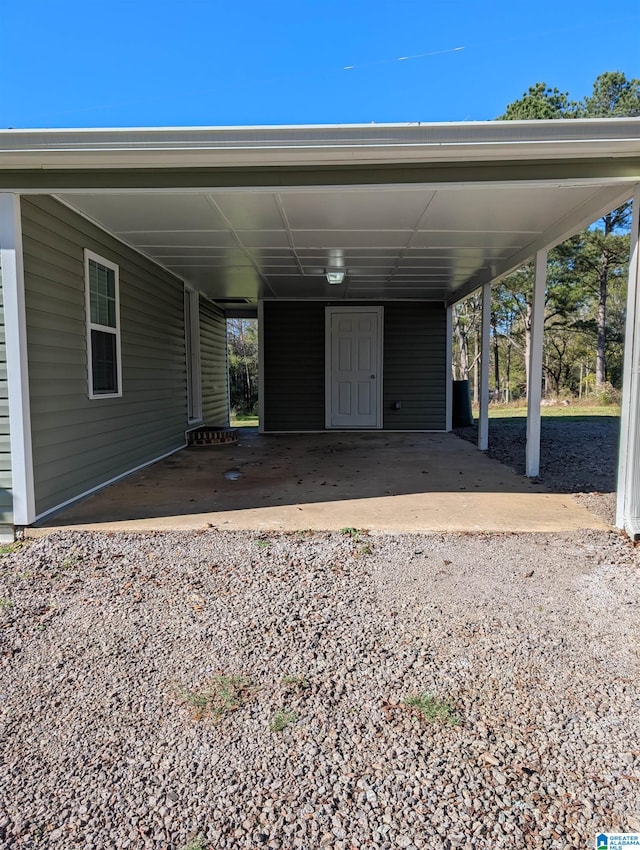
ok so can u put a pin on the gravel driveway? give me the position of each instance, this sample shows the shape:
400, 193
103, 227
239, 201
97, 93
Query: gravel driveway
111, 645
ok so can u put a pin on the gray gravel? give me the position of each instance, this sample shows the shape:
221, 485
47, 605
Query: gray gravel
531, 639
578, 455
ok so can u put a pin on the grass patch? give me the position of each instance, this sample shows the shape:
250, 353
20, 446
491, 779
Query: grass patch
263, 544
353, 533
555, 412
69, 561
243, 421
432, 709
281, 719
223, 695
297, 682
6, 604
197, 843
8, 548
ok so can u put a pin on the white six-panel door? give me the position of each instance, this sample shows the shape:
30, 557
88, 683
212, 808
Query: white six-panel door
354, 367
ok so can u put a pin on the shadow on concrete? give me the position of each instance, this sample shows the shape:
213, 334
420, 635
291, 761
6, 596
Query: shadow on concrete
376, 476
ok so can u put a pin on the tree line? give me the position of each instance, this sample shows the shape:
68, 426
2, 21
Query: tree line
586, 282
242, 348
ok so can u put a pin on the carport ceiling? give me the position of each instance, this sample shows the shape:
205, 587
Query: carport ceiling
412, 212
408, 242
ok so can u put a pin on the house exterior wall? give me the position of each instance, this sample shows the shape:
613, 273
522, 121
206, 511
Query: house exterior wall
6, 483
78, 443
414, 365
213, 365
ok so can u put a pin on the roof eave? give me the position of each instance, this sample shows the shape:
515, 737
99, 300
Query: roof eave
255, 147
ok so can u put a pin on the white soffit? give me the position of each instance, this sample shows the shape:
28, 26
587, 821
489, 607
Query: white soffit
397, 242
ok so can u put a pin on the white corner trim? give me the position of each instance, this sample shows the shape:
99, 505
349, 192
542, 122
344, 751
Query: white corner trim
15, 322
193, 353
627, 496
104, 484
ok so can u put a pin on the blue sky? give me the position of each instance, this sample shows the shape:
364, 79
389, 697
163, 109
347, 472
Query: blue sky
213, 62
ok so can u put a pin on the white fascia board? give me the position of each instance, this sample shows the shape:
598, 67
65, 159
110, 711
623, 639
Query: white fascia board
435, 133
15, 325
317, 145
286, 156
278, 128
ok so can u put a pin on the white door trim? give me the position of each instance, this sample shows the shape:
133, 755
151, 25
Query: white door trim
329, 311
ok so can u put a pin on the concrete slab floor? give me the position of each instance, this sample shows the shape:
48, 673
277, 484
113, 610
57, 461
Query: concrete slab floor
380, 481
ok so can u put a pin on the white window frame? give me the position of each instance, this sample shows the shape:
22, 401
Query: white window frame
92, 326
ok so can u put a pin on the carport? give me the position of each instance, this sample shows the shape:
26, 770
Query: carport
294, 225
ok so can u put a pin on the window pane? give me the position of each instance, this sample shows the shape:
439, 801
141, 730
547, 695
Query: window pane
103, 362
102, 294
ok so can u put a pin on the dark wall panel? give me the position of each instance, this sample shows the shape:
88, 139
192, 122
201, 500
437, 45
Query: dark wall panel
293, 345
414, 367
415, 371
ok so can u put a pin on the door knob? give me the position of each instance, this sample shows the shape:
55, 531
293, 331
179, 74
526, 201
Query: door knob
373, 376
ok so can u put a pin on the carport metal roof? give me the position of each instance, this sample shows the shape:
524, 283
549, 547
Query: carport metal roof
415, 211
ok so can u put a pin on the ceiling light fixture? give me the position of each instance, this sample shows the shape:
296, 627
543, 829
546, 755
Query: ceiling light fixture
335, 270
335, 276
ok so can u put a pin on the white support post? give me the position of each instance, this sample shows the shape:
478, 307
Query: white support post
483, 418
261, 399
628, 486
534, 389
15, 324
448, 373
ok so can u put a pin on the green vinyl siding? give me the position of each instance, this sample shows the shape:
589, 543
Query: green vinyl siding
414, 365
213, 365
80, 443
6, 482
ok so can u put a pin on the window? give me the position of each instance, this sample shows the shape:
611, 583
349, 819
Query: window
103, 327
